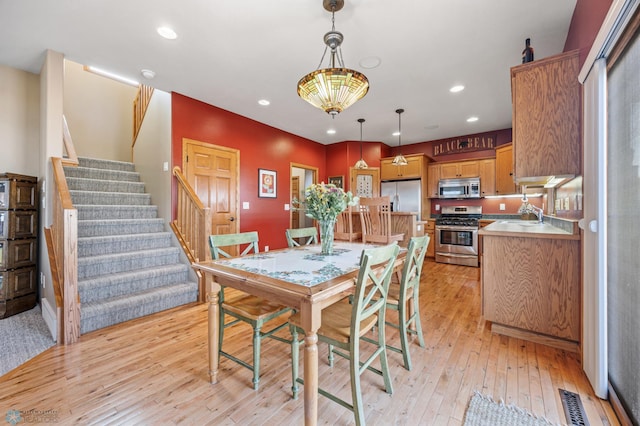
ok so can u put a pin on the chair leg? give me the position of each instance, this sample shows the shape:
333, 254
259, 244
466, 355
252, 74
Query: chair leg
295, 356
256, 357
330, 357
404, 339
384, 362
356, 389
416, 318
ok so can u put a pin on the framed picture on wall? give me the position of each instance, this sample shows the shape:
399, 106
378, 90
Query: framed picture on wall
337, 181
266, 183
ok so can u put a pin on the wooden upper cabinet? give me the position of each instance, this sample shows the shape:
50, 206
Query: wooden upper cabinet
413, 170
546, 116
487, 176
460, 169
433, 172
504, 170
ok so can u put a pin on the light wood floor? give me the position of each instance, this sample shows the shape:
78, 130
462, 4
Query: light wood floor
153, 371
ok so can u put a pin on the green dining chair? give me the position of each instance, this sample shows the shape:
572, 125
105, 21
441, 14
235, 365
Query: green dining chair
344, 324
250, 309
404, 298
311, 235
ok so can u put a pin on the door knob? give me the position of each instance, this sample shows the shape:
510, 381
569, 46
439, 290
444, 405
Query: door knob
593, 226
231, 219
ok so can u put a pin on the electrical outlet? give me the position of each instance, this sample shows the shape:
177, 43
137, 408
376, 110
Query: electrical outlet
502, 206
42, 279
266, 248
165, 166
437, 207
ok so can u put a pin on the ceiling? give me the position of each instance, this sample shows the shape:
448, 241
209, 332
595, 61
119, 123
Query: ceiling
231, 53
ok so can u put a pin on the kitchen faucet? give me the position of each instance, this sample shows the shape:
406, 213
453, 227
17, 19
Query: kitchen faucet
538, 212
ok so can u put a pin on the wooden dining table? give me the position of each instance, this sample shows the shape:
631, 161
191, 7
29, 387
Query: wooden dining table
299, 277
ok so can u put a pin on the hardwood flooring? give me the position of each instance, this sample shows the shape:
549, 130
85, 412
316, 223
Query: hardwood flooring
153, 371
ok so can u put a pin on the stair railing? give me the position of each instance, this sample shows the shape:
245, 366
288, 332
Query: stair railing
140, 105
62, 243
192, 225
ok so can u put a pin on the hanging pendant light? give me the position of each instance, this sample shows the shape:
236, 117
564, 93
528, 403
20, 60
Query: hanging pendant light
399, 159
333, 89
361, 164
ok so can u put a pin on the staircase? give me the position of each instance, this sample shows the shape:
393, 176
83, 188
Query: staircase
128, 266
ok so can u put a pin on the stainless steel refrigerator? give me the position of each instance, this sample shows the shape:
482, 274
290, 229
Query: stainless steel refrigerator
404, 194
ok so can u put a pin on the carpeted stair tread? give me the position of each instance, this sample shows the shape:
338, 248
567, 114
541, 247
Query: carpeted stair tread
96, 228
122, 262
95, 315
105, 211
100, 185
97, 163
114, 285
102, 174
95, 246
98, 197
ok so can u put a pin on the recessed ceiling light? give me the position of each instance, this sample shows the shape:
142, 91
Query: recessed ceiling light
148, 74
395, 134
370, 62
264, 102
457, 88
472, 119
167, 33
331, 132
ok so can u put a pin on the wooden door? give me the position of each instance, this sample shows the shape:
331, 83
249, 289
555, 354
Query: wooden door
295, 191
213, 171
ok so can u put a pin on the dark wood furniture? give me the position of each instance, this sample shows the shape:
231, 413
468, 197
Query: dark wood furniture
18, 243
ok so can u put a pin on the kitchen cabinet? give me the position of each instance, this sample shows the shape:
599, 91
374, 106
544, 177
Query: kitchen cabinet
487, 173
415, 168
433, 173
531, 282
430, 230
546, 97
504, 170
461, 169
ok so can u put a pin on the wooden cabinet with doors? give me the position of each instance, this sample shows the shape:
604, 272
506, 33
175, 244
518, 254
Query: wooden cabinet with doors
460, 169
547, 116
433, 173
487, 175
415, 168
505, 184
430, 230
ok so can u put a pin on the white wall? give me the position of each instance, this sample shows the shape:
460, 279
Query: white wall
153, 149
99, 113
19, 122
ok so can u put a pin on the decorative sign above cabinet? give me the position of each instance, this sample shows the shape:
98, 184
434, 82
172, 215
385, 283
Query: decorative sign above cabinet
465, 144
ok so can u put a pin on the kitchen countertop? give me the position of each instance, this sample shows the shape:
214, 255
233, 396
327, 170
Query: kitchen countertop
528, 229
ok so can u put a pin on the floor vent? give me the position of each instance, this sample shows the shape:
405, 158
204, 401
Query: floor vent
573, 408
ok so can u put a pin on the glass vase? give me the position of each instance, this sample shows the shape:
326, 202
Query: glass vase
326, 236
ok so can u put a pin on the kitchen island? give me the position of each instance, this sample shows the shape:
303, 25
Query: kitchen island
531, 280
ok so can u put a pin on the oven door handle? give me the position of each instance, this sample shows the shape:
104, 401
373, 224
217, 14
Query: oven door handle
455, 228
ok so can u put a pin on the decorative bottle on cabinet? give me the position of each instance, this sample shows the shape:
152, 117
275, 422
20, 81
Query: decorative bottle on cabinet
18, 243
527, 53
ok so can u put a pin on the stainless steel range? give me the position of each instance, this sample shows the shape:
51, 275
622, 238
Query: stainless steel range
457, 235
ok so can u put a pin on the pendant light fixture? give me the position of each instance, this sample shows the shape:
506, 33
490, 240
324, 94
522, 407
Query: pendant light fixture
361, 164
399, 159
333, 89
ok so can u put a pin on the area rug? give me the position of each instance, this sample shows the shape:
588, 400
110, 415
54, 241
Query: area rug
22, 337
484, 411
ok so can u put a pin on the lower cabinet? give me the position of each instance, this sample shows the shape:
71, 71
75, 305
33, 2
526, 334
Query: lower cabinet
430, 230
531, 288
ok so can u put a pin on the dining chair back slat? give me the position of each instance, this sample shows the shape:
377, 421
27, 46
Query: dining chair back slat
310, 233
375, 219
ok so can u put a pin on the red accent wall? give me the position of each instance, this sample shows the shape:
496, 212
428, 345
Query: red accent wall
343, 155
585, 23
260, 146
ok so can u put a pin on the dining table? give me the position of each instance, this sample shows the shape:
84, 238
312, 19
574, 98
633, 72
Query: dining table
299, 277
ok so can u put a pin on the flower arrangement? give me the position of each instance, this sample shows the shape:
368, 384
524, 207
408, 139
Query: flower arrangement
325, 201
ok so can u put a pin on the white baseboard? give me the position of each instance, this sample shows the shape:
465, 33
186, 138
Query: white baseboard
50, 317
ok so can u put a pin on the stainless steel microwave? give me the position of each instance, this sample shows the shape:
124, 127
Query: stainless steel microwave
459, 188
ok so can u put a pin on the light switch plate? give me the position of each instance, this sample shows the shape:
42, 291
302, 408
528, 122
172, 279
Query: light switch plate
503, 206
245, 205
286, 207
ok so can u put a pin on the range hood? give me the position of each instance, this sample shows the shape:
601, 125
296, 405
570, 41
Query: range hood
544, 181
